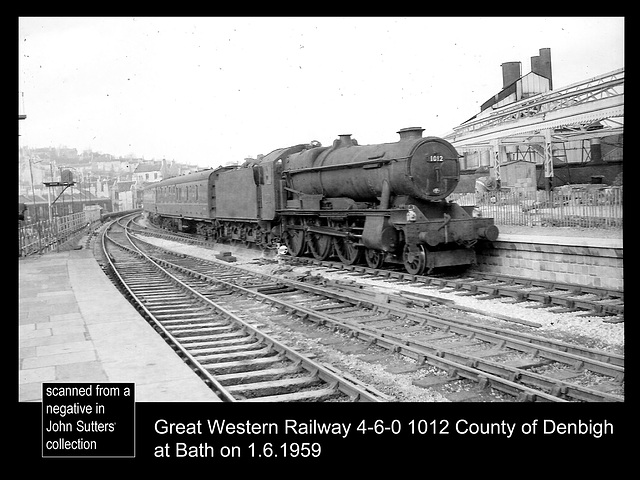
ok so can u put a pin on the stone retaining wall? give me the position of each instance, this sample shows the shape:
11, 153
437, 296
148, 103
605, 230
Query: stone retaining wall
600, 267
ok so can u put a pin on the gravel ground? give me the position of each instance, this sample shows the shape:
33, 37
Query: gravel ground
570, 327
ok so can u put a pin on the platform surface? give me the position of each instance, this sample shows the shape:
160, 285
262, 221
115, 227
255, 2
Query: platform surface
612, 238
75, 326
557, 240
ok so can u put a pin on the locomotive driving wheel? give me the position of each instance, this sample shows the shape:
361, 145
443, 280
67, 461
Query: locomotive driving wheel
321, 246
295, 241
374, 258
414, 260
347, 252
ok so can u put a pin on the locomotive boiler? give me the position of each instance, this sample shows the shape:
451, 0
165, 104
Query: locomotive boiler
385, 202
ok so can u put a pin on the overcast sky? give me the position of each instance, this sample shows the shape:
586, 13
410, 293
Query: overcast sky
215, 90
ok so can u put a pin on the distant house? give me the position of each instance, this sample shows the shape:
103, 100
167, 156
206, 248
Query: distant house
105, 162
148, 172
123, 195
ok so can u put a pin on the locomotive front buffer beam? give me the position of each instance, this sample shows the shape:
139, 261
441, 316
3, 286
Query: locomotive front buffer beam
408, 236
440, 225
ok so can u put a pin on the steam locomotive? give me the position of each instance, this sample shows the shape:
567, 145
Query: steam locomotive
377, 203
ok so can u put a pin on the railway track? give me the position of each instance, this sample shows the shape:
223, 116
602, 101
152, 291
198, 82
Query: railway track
238, 361
523, 366
557, 297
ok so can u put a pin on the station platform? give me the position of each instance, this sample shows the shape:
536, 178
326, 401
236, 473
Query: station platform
586, 258
561, 236
75, 326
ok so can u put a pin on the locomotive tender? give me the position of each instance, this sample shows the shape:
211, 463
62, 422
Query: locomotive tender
383, 203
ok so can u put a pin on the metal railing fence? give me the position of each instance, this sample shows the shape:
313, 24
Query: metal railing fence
590, 208
47, 235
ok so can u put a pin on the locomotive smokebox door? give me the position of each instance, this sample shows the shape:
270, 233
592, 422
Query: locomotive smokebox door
434, 169
378, 234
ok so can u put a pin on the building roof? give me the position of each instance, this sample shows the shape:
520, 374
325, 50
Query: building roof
124, 186
29, 199
526, 85
148, 167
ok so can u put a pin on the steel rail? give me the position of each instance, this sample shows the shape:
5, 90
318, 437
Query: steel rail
461, 365
506, 285
354, 392
411, 348
602, 359
487, 366
508, 288
201, 370
514, 340
603, 362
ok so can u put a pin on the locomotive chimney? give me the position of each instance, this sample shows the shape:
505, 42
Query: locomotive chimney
510, 73
345, 140
410, 133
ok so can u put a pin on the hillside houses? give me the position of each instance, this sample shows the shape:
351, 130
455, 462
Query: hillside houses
102, 175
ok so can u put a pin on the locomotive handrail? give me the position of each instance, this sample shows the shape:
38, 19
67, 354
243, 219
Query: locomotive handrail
340, 166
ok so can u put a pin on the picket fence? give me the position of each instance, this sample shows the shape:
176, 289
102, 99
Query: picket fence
590, 208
